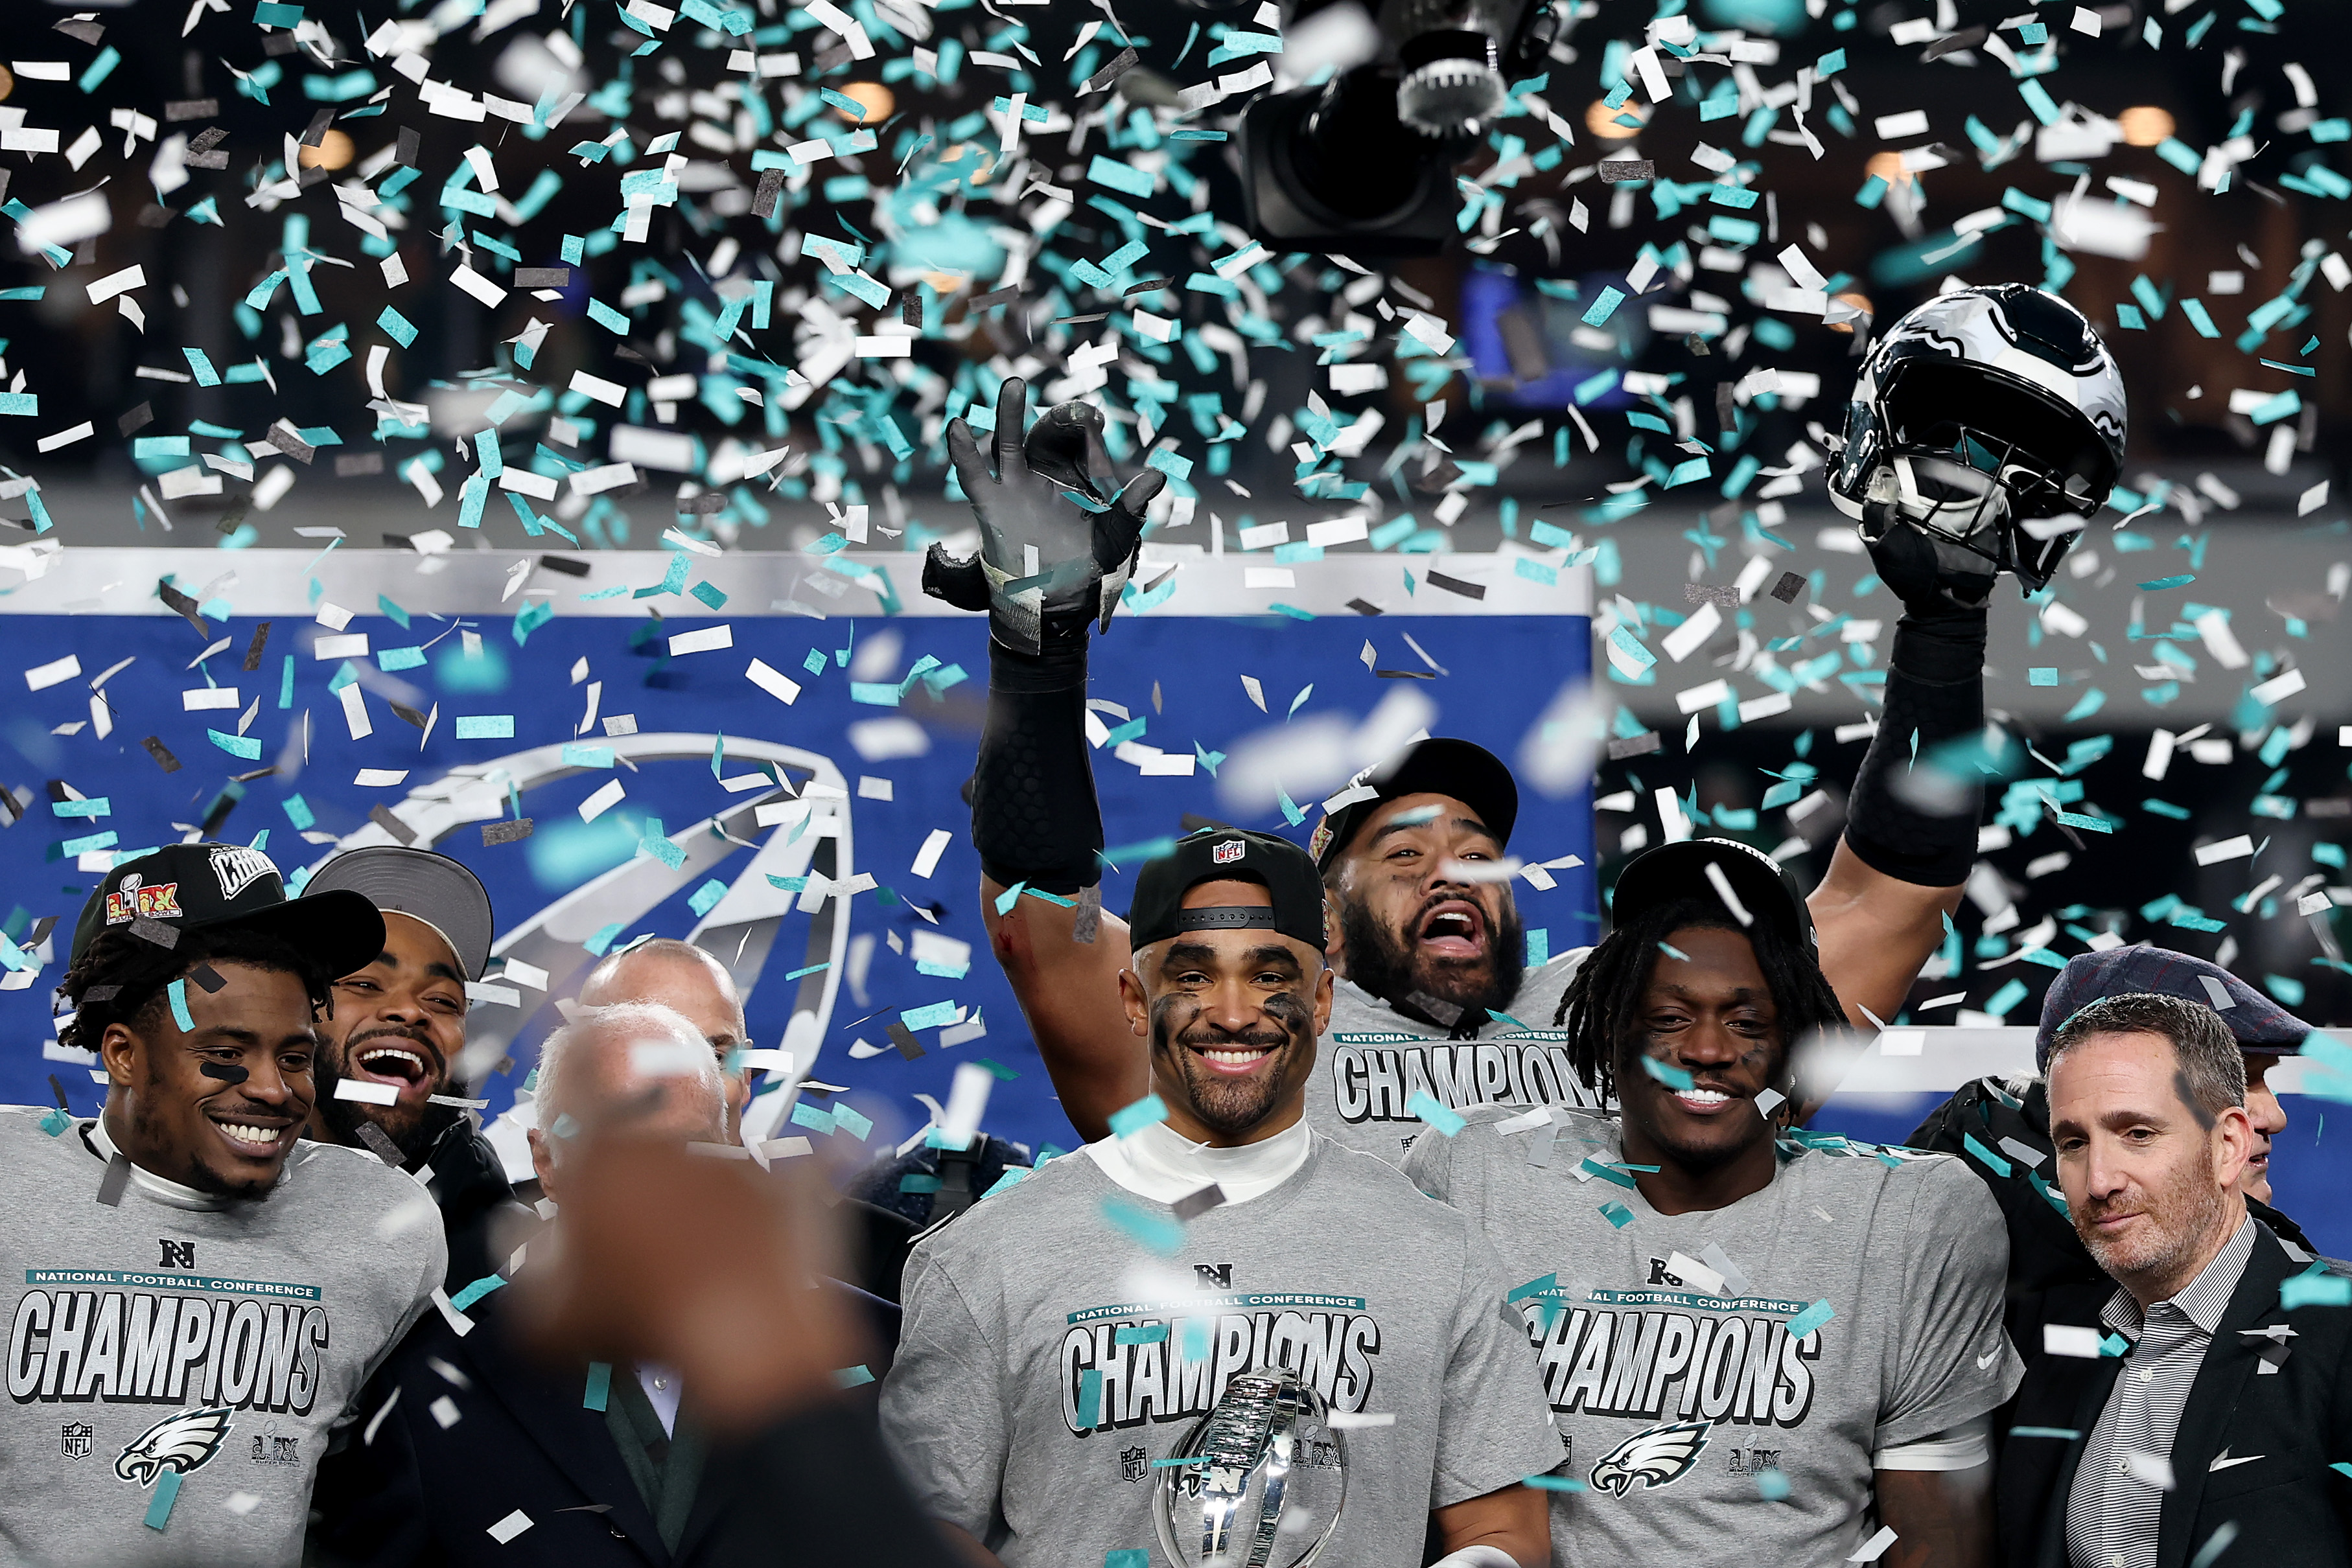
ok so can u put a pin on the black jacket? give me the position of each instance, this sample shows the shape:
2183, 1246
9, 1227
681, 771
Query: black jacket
2281, 1433
471, 1189
816, 1487
2051, 1278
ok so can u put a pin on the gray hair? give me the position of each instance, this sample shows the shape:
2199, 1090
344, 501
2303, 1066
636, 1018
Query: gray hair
633, 1022
2212, 1066
670, 947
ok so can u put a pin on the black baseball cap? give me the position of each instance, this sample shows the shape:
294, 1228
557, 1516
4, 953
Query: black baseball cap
422, 885
204, 886
1763, 886
2259, 1023
1468, 772
1228, 855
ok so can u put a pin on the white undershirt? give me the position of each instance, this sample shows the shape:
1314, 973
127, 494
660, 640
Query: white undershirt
160, 1188
1160, 1164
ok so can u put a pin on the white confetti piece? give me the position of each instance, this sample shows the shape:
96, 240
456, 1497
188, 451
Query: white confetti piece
603, 800
40, 677
518, 1522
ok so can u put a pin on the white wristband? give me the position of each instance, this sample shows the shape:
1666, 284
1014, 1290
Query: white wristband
1477, 1557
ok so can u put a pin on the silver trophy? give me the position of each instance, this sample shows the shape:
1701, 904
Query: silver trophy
1268, 1484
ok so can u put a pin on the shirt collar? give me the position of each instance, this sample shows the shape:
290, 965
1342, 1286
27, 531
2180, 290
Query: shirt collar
2204, 1299
160, 1188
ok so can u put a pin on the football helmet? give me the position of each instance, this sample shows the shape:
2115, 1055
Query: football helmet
1991, 417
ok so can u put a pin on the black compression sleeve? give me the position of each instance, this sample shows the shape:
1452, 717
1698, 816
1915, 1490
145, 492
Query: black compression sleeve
1034, 816
1934, 690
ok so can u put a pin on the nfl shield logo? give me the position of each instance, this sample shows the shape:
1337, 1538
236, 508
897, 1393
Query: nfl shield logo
1134, 1464
1227, 852
74, 1440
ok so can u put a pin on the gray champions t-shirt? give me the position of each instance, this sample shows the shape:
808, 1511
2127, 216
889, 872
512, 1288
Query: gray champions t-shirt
1686, 1410
203, 1340
1041, 1363
1372, 1061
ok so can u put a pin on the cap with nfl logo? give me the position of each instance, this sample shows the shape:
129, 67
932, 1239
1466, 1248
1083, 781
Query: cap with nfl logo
1228, 855
208, 886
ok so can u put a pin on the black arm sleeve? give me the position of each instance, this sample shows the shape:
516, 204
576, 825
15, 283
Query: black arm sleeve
1935, 691
1033, 814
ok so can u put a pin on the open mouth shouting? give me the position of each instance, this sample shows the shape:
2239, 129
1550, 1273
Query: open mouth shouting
408, 1064
1453, 928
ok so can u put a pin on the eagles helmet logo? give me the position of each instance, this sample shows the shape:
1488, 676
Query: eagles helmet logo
182, 1441
1657, 1457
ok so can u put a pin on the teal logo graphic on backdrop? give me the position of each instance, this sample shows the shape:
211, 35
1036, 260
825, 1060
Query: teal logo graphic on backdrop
182, 1443
1654, 1457
1126, 1364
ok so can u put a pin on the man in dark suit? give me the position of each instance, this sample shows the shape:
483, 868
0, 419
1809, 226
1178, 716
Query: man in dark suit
471, 1450
2051, 1278
2206, 1406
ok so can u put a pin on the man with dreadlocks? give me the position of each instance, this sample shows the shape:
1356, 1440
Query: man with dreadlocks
1756, 1345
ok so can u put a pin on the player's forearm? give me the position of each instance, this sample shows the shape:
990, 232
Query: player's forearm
1875, 932
1514, 1520
970, 1550
1941, 1518
1068, 992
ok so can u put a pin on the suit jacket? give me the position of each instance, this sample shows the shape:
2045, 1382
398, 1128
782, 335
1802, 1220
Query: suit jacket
2273, 1434
816, 1487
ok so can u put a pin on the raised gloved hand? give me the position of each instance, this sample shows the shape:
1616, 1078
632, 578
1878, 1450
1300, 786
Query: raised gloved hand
1057, 540
1935, 577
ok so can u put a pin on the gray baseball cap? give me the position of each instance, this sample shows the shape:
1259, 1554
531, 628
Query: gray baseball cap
422, 885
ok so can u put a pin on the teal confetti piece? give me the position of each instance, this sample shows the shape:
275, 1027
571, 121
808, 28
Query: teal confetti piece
1617, 1214
1811, 1318
706, 897
2194, 310
1604, 306
2063, 1434
477, 1291
853, 1376
600, 1386
1125, 1556
395, 326
1140, 1334
1426, 1106
1130, 1120
2046, 676
1554, 1483
1153, 1232
167, 1485
1533, 1288
931, 1017
1772, 1484
2315, 1290
54, 1122
848, 1121
1667, 1073
485, 726
2183, 580
1606, 1173
245, 746
807, 1115
1985, 1157
178, 991
1090, 1400
604, 938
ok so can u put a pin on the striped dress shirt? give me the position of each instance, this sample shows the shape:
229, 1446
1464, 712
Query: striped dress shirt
2118, 1501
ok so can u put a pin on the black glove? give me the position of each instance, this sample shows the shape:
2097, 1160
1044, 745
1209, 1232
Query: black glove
1945, 588
1048, 565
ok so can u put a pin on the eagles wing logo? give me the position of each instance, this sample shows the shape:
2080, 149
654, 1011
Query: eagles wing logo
179, 1442
1656, 1457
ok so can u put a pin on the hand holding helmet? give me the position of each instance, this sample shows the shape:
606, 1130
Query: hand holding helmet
1989, 422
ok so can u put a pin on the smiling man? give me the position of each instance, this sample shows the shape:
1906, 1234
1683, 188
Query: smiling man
194, 1294
1759, 1349
389, 1049
2210, 1398
2052, 1275
1436, 1002
1029, 1414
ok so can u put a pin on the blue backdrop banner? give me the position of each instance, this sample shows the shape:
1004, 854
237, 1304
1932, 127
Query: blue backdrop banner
820, 846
